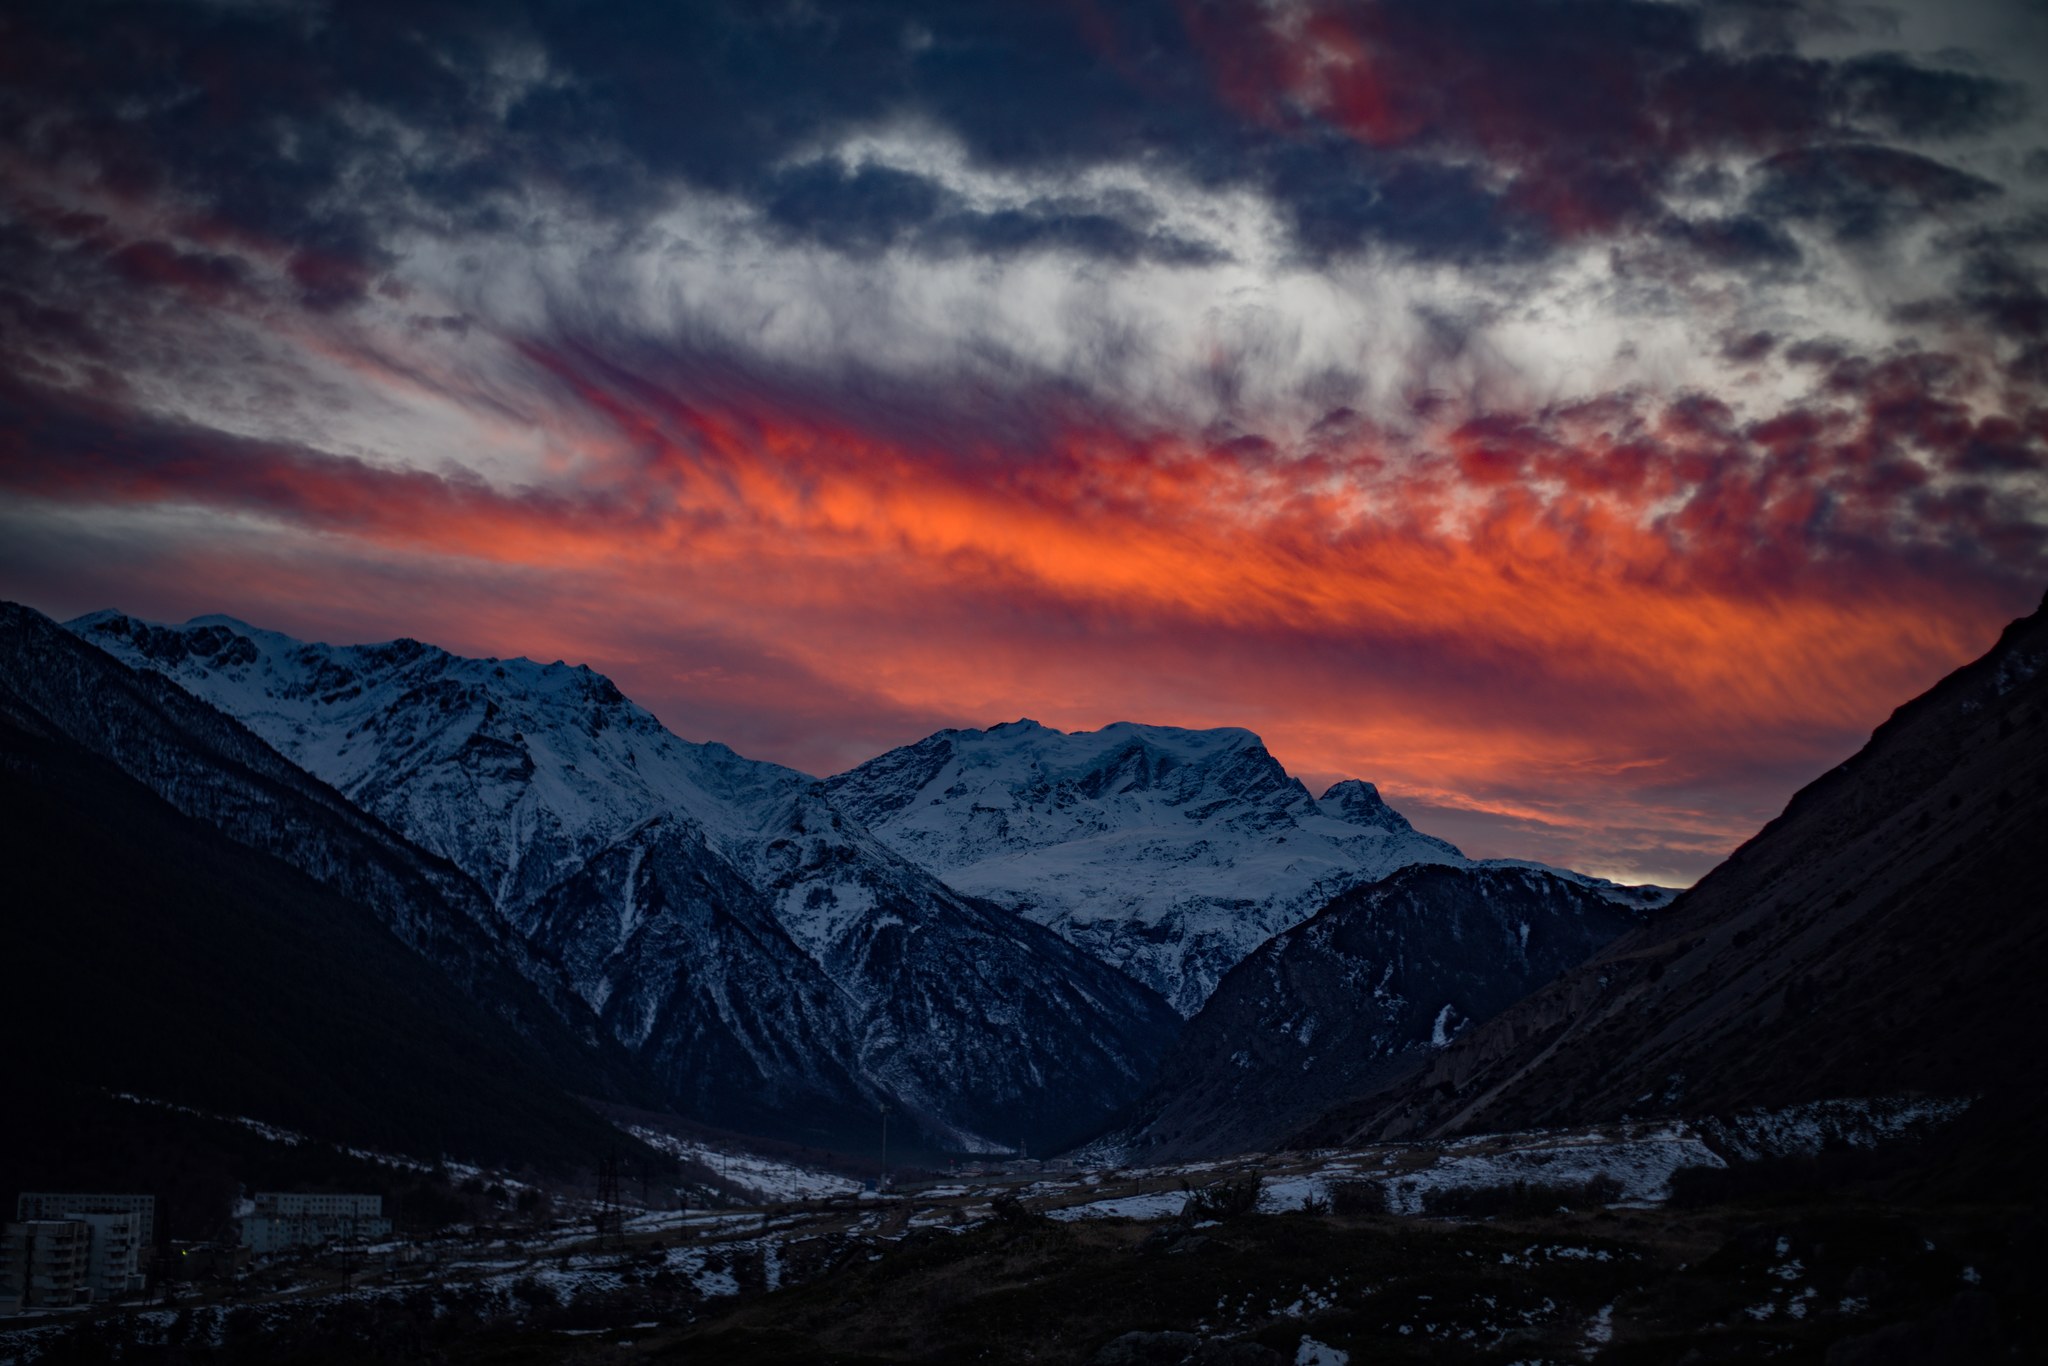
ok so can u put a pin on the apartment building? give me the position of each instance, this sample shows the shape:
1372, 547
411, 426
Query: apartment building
71, 1248
282, 1221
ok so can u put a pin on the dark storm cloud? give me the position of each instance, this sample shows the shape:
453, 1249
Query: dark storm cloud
865, 210
242, 123
1739, 241
1578, 116
1901, 96
1519, 126
1343, 198
1750, 347
2001, 282
1861, 192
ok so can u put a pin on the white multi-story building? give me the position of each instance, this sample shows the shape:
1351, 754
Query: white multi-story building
43, 1263
72, 1248
284, 1220
72, 1204
114, 1253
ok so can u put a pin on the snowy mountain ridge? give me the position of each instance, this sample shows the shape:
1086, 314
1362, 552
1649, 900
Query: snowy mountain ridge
1171, 853
517, 771
771, 958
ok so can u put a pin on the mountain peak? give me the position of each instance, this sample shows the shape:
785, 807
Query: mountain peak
512, 769
221, 619
1167, 851
765, 957
1357, 802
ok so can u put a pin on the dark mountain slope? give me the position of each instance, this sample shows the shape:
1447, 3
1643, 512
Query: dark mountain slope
974, 1025
1886, 933
209, 766
686, 963
1383, 974
767, 959
146, 952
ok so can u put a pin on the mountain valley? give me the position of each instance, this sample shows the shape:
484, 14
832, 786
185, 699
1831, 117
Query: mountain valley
1457, 1110
964, 930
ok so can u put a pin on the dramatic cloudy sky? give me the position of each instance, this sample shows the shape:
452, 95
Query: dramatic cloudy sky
1585, 420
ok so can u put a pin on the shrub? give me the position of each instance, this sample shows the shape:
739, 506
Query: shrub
1008, 1209
1222, 1200
1604, 1189
1358, 1197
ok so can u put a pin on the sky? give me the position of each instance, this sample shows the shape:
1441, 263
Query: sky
1584, 420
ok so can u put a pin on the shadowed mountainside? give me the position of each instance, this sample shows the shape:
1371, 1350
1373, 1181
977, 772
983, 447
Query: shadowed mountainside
149, 953
1884, 934
1382, 974
757, 951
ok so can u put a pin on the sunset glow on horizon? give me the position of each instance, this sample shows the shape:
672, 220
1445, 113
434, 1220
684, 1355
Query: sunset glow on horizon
1585, 422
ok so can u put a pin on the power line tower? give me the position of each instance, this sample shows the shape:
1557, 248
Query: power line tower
610, 1218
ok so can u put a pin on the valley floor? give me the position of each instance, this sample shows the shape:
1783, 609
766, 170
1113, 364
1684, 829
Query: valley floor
1551, 1247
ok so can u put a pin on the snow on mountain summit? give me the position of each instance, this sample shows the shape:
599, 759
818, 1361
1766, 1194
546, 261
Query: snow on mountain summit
516, 771
682, 885
775, 962
1172, 853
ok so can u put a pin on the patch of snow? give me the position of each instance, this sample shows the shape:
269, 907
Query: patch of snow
1438, 1036
767, 1180
1803, 1130
1156, 1205
1313, 1353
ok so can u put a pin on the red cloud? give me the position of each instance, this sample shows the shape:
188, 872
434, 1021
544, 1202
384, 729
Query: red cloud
1611, 615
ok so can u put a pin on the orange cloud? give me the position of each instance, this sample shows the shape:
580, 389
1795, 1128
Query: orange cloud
1568, 619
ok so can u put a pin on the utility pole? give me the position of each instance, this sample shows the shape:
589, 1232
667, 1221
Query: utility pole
885, 1146
610, 1221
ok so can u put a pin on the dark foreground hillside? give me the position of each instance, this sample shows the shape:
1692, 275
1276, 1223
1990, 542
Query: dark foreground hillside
1888, 933
1377, 979
1806, 1261
147, 953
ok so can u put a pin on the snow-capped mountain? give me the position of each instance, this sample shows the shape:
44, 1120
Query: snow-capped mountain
256, 945
1170, 853
724, 916
1380, 976
209, 767
517, 772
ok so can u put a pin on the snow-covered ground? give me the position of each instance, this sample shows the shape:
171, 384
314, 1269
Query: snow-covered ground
718, 1253
1149, 1205
1639, 1157
1804, 1130
765, 1179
